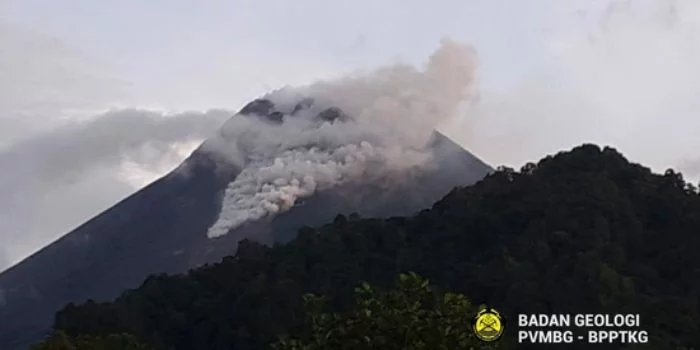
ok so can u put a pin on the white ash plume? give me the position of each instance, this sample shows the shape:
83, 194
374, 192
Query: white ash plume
391, 114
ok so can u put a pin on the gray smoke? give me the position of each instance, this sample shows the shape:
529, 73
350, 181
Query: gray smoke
394, 111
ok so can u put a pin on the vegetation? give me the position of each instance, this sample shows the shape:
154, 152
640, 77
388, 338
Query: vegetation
61, 341
584, 231
410, 317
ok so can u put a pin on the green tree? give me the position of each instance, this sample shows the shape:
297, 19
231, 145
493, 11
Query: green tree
410, 317
61, 341
584, 231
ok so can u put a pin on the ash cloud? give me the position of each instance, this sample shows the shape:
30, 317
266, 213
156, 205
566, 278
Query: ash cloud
52, 181
62, 158
392, 112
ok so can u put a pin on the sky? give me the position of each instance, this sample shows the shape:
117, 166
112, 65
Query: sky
552, 74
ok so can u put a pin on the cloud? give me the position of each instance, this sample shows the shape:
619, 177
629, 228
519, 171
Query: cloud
51, 182
43, 80
392, 112
64, 159
622, 73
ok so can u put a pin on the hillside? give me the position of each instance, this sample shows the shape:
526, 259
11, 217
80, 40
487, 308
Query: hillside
163, 227
582, 231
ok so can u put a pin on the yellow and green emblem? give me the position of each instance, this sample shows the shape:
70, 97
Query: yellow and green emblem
488, 325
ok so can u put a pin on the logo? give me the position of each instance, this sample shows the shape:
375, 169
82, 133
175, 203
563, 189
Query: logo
488, 325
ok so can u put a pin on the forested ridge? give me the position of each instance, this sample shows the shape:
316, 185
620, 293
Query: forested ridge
582, 231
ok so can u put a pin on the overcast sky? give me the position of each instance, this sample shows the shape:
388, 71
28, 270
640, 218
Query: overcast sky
553, 74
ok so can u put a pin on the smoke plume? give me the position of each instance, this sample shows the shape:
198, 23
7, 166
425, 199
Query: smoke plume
392, 113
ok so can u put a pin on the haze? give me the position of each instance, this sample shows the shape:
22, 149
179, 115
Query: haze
552, 75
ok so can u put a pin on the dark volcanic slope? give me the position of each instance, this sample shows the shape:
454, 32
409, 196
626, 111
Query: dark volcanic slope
162, 229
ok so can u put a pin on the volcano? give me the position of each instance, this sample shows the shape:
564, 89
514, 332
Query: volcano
166, 227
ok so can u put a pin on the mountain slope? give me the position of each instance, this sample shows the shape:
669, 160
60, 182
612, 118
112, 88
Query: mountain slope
163, 229
584, 231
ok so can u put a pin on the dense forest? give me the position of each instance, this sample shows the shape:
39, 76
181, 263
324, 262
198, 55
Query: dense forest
583, 231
